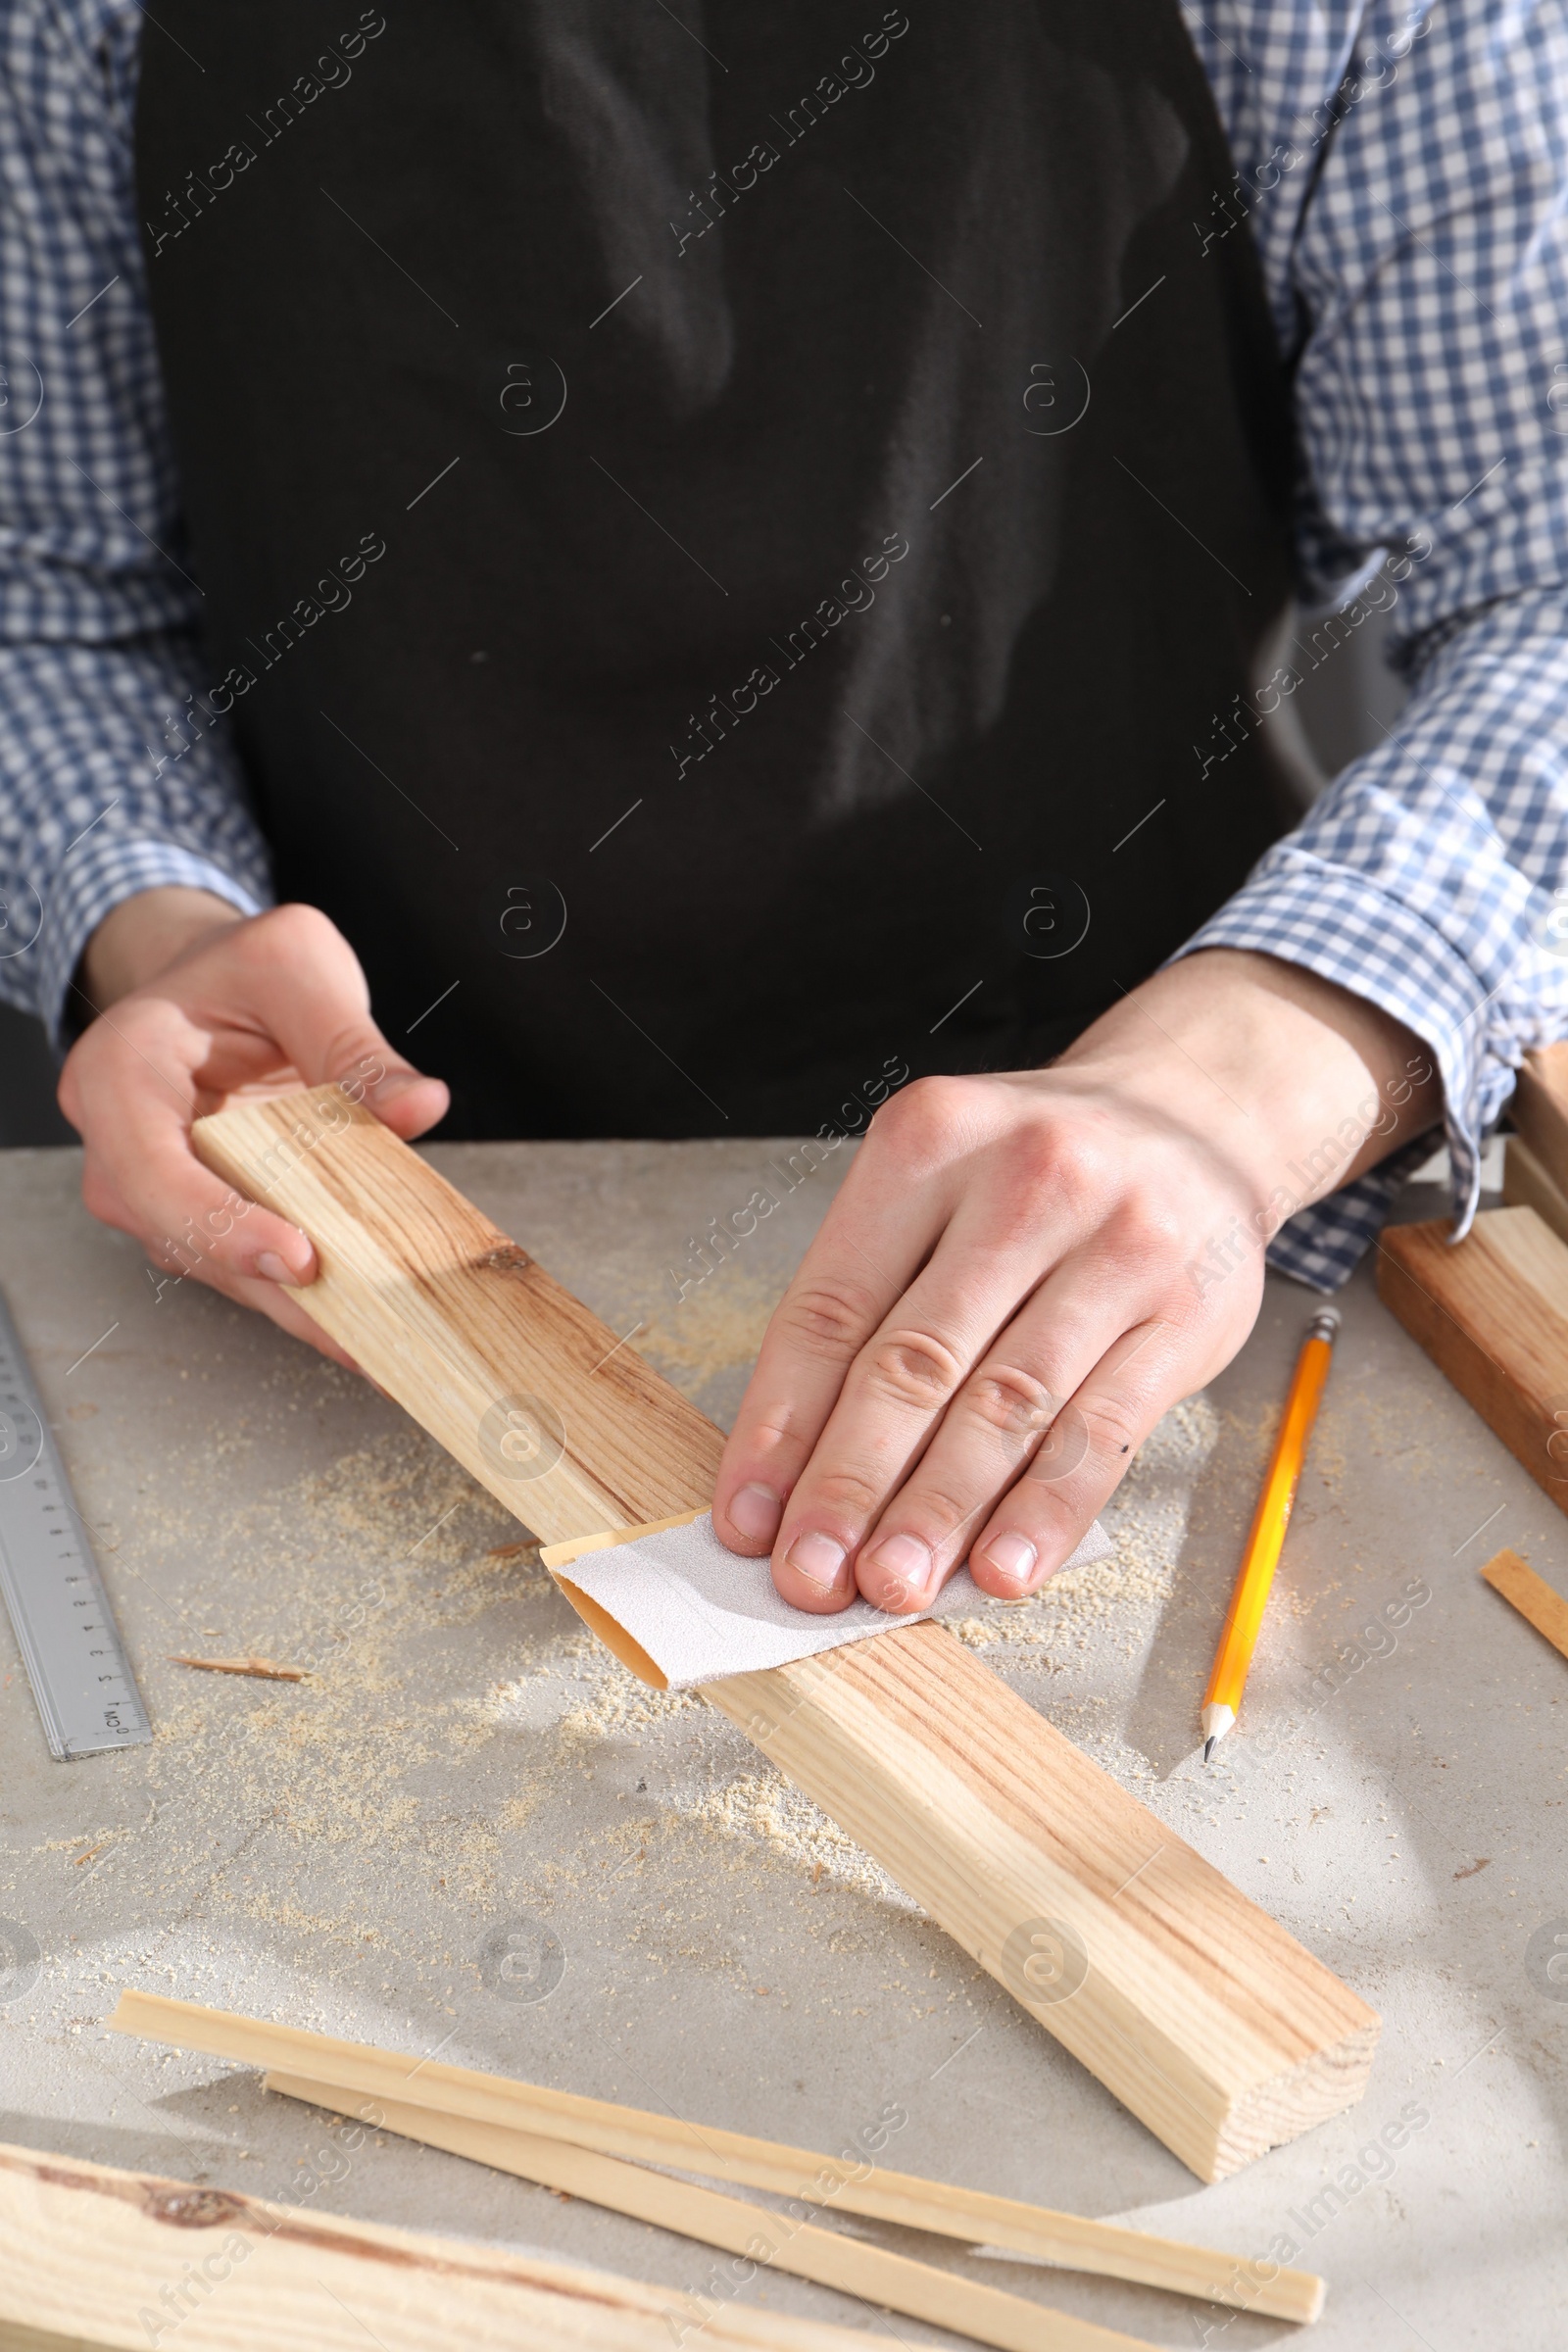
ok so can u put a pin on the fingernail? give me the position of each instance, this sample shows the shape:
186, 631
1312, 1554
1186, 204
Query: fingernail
818, 1558
907, 1563
755, 1513
273, 1268
1012, 1556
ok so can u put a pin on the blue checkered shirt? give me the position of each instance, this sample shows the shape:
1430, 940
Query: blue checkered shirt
1404, 169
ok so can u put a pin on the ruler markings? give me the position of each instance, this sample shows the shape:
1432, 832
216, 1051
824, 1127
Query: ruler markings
87, 1697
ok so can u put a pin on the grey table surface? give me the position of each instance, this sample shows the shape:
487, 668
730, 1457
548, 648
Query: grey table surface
470, 1832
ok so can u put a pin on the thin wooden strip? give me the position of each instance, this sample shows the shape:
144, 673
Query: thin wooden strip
1198, 2010
1531, 1594
264, 1669
1065, 2239
771, 2240
92, 2255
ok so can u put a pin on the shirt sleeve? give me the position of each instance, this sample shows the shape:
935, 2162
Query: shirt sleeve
1427, 259
115, 771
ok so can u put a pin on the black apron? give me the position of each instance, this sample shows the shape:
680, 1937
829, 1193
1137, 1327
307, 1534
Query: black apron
733, 548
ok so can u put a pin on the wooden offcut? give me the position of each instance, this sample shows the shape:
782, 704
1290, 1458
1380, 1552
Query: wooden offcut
1539, 1109
1531, 1594
772, 2241
302, 2061
94, 2259
1528, 1183
1188, 2003
1491, 1311
263, 1670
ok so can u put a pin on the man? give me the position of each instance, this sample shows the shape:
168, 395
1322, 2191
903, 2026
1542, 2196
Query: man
720, 558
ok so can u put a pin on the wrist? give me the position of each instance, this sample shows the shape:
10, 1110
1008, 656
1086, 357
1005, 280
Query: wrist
1298, 1083
144, 935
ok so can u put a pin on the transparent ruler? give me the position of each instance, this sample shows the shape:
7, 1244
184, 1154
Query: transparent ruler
54, 1594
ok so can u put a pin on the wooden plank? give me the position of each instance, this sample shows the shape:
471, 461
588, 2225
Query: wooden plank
1528, 1183
1531, 1594
466, 1330
1491, 1311
92, 2256
1192, 2006
849, 2184
1539, 1109
773, 2240
1210, 2022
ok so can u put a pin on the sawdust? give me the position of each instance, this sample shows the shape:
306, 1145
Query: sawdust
621, 1707
351, 1573
761, 1806
716, 1328
455, 1703
1146, 1520
712, 1780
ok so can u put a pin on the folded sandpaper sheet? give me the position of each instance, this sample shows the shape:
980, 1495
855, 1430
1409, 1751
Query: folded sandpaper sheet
697, 1612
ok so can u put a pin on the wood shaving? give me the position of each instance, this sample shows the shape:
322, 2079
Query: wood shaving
263, 1669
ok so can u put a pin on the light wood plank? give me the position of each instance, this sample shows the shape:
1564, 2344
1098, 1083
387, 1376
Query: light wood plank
1192, 2006
452, 1319
1531, 1594
103, 2258
774, 2241
1491, 1311
646, 2137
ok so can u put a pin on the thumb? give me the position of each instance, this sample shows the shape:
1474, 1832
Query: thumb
319, 1009
402, 1098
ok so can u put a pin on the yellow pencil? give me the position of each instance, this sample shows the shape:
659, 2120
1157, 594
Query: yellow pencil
1223, 1698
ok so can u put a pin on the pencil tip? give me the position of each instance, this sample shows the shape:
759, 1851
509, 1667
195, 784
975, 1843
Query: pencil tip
1208, 1748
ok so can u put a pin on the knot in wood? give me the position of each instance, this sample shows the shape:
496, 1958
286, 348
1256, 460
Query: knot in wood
193, 2208
508, 1259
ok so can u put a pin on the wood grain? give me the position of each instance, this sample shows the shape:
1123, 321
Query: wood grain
1528, 1183
774, 2241
1491, 1311
96, 2257
1539, 1109
1192, 2006
646, 2137
1531, 1594
455, 1320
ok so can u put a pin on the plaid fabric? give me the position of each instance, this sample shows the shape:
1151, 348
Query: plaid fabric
1403, 170
104, 790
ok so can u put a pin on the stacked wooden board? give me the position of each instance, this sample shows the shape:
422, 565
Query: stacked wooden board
1492, 1310
1536, 1166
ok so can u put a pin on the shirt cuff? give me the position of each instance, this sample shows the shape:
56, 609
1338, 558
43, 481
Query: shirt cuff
1322, 1245
93, 877
1307, 911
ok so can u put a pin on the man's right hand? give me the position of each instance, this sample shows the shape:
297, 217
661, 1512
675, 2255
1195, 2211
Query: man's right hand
194, 1002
